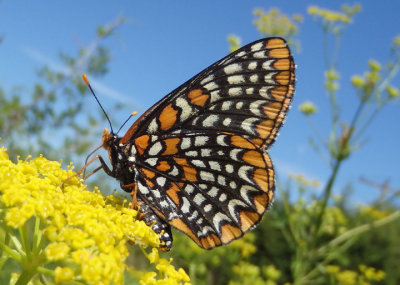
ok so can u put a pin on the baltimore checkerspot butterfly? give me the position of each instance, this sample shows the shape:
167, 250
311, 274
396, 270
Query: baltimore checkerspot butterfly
197, 159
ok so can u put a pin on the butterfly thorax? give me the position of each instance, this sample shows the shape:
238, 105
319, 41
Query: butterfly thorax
122, 157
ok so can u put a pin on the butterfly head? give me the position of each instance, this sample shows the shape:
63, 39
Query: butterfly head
110, 142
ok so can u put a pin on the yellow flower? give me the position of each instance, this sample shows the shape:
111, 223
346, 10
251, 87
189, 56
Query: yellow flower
63, 274
308, 108
86, 233
332, 269
357, 81
57, 251
347, 277
374, 65
373, 212
393, 92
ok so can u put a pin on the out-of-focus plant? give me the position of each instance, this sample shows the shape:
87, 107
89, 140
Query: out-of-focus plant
275, 23
52, 118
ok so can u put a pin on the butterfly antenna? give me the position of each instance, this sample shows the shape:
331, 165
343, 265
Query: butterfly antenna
133, 114
84, 77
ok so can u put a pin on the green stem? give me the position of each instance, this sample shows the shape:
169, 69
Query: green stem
25, 241
45, 271
25, 277
358, 230
327, 194
338, 162
287, 211
11, 252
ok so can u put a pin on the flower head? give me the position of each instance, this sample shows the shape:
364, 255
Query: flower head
83, 233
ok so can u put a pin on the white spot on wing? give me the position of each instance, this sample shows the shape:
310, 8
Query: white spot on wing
185, 143
235, 91
151, 161
269, 78
221, 140
250, 90
252, 65
192, 153
205, 152
245, 192
236, 79
223, 197
226, 122
207, 79
189, 188
207, 176
215, 96
213, 192
199, 199
174, 171
207, 208
244, 173
267, 65
153, 126
232, 205
232, 68
211, 86
198, 163
257, 46
193, 216
229, 168
200, 140
226, 105
255, 107
161, 181
210, 121
221, 180
185, 205
155, 149
143, 189
233, 154
259, 54
264, 92
248, 124
254, 78
218, 218
186, 109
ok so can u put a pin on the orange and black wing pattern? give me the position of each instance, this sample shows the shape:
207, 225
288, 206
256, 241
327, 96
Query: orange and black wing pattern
199, 154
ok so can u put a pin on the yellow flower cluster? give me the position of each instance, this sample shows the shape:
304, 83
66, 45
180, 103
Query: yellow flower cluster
276, 23
366, 275
373, 212
328, 15
85, 235
168, 275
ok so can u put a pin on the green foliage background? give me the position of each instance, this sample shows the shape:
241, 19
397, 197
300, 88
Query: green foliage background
308, 240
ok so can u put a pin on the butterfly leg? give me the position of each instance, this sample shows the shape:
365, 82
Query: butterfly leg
103, 166
158, 225
132, 188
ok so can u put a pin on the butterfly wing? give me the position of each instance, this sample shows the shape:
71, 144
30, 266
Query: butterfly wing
248, 92
201, 158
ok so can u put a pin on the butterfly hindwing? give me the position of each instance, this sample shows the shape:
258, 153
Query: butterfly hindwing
213, 187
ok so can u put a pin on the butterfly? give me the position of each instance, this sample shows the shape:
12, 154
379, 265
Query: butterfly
197, 159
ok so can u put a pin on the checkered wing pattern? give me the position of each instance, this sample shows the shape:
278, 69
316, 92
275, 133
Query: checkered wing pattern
200, 160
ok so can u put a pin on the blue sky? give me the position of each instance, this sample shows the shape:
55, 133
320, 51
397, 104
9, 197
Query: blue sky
167, 42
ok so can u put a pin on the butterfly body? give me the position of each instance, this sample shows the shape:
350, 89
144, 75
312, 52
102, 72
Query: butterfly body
197, 159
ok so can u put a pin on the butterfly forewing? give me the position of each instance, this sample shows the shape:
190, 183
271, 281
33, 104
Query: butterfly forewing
248, 92
199, 153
